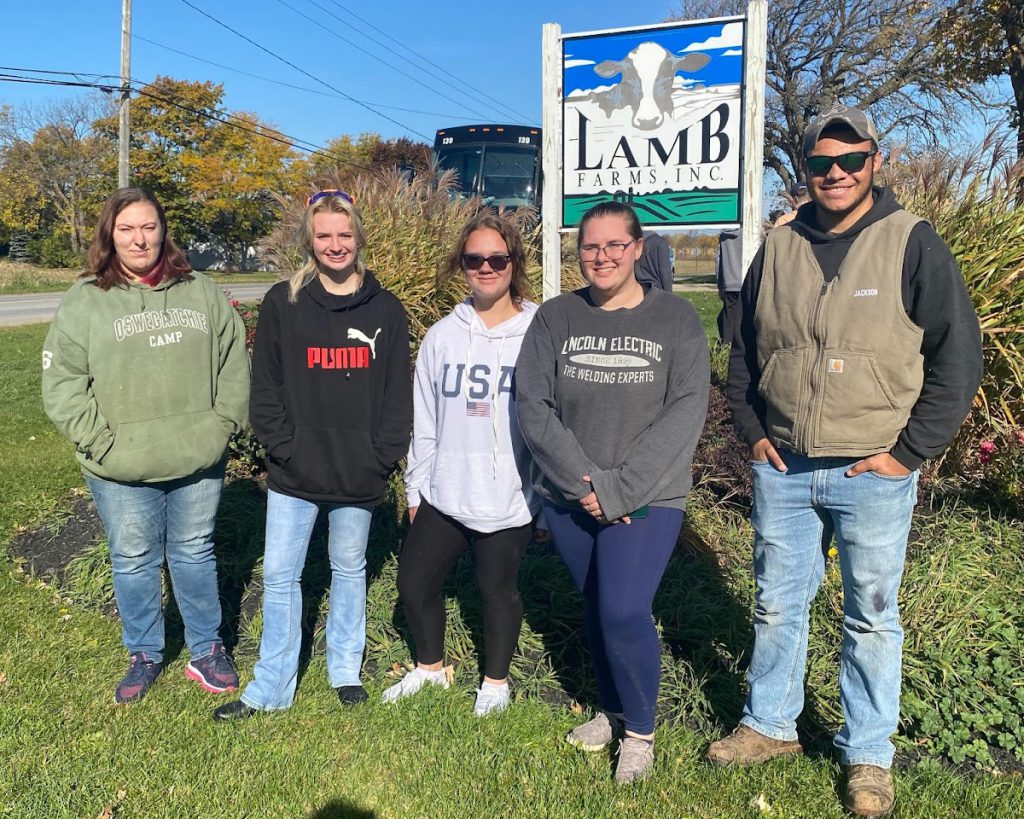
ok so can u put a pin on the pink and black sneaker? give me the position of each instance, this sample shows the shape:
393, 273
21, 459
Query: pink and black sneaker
142, 673
215, 671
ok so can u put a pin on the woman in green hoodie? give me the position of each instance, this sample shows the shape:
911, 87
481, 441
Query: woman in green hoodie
145, 371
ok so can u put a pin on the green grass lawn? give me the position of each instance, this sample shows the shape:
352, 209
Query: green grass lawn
17, 278
69, 751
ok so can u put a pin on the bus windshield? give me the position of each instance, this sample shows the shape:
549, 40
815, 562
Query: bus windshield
500, 164
465, 161
508, 177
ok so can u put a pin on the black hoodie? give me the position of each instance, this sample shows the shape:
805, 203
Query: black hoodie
935, 299
331, 391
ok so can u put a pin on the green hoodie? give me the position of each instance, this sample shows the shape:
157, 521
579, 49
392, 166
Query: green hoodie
147, 383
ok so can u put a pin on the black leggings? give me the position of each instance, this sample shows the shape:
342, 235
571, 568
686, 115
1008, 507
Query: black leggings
434, 543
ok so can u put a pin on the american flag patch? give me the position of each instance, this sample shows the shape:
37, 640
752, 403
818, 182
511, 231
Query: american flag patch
478, 409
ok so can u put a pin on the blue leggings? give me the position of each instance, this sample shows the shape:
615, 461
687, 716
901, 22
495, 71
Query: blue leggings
618, 568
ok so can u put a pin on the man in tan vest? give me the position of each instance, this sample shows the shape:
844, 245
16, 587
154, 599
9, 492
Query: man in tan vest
857, 359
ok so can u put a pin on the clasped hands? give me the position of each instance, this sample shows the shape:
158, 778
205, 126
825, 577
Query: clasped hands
592, 506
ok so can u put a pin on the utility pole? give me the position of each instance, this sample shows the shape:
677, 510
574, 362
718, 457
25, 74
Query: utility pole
126, 72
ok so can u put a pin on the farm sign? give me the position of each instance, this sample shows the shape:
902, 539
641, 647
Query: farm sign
654, 117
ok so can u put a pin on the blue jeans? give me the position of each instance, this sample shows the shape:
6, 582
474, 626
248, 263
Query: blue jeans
289, 526
796, 513
145, 522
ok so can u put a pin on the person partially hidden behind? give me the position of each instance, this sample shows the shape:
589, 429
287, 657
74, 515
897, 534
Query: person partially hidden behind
857, 359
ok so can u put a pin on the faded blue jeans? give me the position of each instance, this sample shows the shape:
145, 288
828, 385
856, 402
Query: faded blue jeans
796, 513
145, 522
289, 526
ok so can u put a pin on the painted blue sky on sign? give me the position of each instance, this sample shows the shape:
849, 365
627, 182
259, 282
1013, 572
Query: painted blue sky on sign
723, 42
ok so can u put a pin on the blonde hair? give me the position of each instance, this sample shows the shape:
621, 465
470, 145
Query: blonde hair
307, 272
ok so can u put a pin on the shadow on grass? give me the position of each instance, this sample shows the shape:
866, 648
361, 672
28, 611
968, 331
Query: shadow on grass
240, 545
340, 809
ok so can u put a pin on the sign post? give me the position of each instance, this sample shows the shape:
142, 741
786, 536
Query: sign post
753, 135
551, 160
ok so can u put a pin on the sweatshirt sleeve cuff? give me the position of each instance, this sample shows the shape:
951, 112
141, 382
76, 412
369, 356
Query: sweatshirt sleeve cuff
906, 457
606, 485
752, 433
412, 497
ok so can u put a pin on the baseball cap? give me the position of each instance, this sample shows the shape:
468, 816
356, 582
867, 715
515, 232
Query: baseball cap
853, 118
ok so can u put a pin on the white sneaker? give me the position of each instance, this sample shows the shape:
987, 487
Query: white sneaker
413, 682
491, 698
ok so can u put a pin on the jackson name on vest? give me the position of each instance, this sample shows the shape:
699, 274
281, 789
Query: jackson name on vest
841, 364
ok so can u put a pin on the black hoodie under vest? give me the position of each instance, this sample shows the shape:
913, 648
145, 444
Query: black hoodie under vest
331, 391
935, 299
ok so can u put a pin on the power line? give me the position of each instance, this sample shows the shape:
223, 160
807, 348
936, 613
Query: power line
371, 54
303, 71
430, 62
265, 132
291, 85
384, 62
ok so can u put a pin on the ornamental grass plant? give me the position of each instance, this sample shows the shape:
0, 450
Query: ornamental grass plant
975, 203
410, 229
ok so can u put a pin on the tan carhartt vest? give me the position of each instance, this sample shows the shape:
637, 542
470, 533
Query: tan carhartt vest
841, 364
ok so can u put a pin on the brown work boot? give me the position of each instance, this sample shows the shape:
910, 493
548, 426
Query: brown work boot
745, 746
869, 791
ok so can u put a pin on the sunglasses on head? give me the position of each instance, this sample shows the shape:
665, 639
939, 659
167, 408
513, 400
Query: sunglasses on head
474, 261
316, 197
848, 163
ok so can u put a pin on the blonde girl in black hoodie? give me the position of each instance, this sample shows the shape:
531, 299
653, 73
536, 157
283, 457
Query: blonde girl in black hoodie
332, 403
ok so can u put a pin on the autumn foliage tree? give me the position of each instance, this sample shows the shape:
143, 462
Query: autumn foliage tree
980, 39
370, 151
212, 170
219, 174
53, 174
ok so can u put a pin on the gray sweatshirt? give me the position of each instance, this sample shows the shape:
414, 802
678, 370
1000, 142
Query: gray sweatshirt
619, 395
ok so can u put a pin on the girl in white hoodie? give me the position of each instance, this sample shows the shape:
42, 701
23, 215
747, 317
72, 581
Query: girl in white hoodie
469, 475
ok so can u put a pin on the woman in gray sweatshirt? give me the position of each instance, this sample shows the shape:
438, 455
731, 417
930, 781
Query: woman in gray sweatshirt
612, 391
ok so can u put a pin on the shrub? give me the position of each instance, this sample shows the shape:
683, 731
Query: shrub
1000, 468
54, 250
245, 453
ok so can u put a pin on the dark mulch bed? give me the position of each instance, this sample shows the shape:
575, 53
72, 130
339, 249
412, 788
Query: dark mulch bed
49, 548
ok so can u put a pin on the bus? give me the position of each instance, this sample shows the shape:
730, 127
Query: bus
499, 163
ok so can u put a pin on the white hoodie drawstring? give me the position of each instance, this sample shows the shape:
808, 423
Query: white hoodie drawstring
495, 383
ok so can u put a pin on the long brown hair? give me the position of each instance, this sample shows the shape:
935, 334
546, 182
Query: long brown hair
102, 261
519, 288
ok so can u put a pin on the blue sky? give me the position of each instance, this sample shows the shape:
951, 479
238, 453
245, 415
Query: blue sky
726, 65
485, 50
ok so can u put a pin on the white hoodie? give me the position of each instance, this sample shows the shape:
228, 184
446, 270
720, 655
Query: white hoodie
467, 458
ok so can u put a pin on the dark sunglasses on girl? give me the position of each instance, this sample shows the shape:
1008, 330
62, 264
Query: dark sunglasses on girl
316, 197
848, 163
474, 261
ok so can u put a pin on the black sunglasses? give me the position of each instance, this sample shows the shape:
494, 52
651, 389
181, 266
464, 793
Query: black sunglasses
848, 163
474, 261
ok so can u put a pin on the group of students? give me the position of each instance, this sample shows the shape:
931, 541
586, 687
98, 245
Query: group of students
587, 408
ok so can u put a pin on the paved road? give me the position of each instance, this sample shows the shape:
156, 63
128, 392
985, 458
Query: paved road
40, 307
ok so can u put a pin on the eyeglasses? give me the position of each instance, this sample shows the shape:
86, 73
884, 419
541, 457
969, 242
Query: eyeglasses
316, 197
849, 163
474, 261
612, 251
